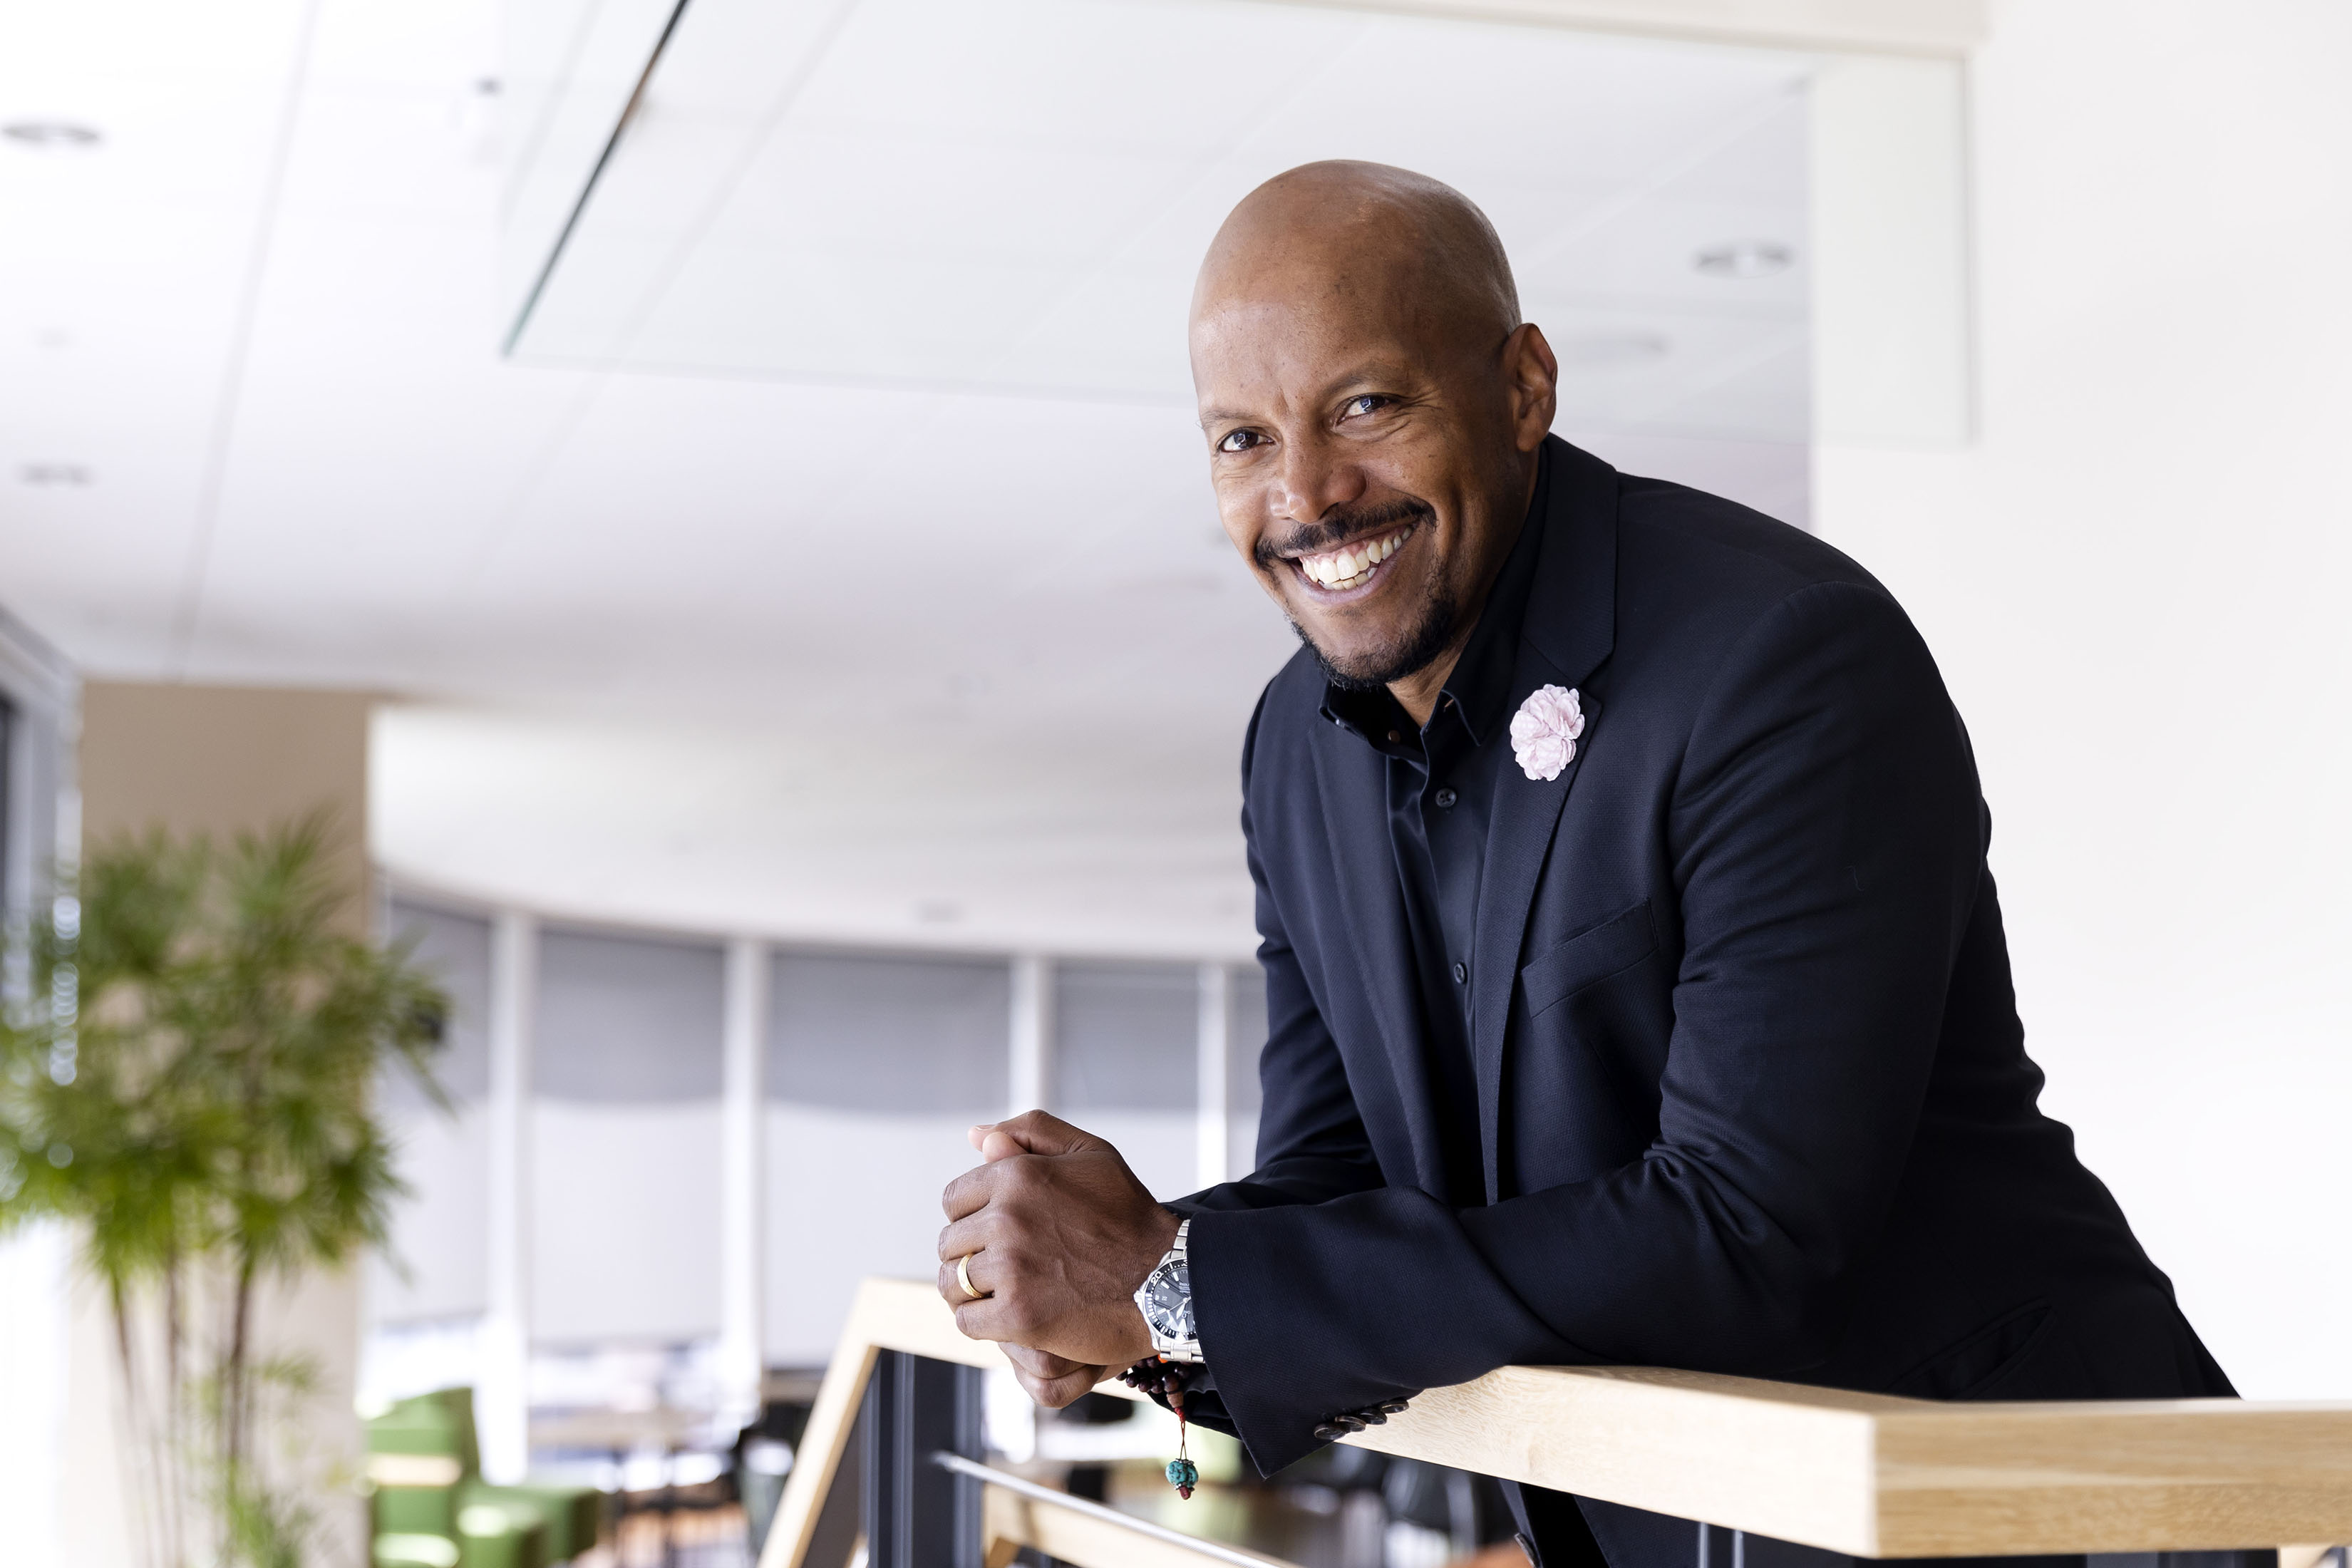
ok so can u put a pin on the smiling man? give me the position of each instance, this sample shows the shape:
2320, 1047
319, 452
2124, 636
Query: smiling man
1636, 986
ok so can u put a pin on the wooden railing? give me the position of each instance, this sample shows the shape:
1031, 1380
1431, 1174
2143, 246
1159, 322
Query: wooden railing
1868, 1475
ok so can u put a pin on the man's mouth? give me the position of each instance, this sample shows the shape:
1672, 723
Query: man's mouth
1351, 565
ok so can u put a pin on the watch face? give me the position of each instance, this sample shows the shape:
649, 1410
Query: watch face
1168, 1301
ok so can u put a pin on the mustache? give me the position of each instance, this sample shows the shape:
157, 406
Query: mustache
1341, 523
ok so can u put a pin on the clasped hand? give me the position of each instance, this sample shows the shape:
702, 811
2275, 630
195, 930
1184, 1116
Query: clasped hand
1060, 1235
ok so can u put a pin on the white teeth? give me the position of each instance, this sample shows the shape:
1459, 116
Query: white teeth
1349, 568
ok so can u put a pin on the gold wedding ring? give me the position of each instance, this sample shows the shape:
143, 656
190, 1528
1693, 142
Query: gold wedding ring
964, 1276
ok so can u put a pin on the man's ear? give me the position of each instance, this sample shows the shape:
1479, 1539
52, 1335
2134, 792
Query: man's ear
1531, 370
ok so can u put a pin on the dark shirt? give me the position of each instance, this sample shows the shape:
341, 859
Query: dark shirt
1441, 791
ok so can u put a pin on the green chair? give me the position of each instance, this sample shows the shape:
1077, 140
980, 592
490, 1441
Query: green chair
572, 1517
432, 1509
501, 1535
401, 1550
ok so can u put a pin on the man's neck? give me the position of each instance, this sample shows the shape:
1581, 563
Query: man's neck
1418, 693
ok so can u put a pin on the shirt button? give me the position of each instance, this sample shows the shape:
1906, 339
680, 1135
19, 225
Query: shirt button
1445, 797
1461, 973
1393, 736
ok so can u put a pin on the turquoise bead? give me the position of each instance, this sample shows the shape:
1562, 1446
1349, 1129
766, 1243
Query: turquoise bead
1184, 1475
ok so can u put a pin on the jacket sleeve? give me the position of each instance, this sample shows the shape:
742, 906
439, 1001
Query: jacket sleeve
1311, 1144
1824, 832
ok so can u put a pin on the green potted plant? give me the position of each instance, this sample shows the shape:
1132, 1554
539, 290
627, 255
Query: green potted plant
189, 1085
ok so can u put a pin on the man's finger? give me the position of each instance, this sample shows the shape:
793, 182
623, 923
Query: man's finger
986, 1318
951, 1289
1040, 1363
969, 1194
1038, 1132
1053, 1393
975, 1264
970, 1233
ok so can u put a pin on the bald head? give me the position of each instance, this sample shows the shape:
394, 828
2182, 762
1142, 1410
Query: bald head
1375, 411
1383, 238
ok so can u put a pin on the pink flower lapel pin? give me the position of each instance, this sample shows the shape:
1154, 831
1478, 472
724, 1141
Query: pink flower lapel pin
1544, 731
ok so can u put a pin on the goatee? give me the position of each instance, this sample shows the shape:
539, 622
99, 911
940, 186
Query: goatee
1421, 641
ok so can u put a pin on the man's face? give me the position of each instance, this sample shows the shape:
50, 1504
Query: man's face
1372, 480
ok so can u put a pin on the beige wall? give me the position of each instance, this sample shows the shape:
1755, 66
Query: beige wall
219, 760
223, 759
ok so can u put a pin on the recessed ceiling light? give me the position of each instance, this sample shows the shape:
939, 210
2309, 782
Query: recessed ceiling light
1610, 350
50, 133
60, 476
1745, 258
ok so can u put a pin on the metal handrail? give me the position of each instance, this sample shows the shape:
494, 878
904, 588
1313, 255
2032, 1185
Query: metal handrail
1216, 1549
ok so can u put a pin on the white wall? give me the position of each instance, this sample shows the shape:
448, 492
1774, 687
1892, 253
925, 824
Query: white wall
2137, 583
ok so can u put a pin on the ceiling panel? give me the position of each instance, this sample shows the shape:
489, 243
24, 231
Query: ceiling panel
1013, 196
1123, 76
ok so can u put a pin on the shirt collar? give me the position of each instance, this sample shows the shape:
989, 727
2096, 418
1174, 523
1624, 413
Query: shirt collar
1480, 686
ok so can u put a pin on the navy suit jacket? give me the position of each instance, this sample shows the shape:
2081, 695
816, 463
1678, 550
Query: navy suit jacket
1752, 1090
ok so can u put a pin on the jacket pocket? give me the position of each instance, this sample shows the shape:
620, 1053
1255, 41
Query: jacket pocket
1591, 955
1970, 1369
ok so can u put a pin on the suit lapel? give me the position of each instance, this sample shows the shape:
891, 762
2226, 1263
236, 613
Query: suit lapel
1354, 780
1568, 630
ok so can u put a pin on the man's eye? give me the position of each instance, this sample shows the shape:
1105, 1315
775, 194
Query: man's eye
1239, 441
1370, 403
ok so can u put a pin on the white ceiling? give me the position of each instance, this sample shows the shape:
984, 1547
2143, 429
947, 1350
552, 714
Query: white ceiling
894, 608
1012, 196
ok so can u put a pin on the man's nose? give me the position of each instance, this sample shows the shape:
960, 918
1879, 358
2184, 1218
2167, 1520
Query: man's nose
1312, 479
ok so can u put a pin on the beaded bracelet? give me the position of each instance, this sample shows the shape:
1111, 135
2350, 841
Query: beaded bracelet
1157, 1375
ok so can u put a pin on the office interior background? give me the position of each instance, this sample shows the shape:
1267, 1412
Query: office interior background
721, 481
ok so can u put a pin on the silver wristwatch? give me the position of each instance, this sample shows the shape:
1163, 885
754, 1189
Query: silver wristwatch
1166, 1297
